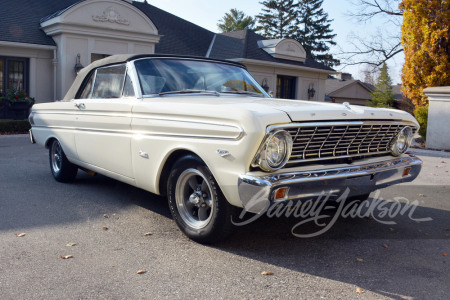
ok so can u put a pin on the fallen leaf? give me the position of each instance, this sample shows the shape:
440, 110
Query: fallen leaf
106, 216
421, 195
359, 259
148, 233
359, 290
266, 273
385, 246
20, 234
443, 162
66, 256
113, 215
392, 229
70, 245
104, 228
141, 271
445, 254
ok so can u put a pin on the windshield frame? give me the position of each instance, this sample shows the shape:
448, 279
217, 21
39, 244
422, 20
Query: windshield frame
263, 93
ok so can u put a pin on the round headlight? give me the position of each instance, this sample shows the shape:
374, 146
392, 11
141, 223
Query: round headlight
276, 151
402, 141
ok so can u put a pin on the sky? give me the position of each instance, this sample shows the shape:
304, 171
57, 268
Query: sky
207, 13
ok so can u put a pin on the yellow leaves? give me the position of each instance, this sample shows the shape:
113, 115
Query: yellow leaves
425, 27
359, 290
71, 245
66, 256
266, 273
148, 234
359, 259
21, 234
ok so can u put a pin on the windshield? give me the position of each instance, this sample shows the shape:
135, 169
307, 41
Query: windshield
172, 76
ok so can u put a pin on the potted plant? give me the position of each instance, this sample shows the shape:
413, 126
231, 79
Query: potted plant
18, 102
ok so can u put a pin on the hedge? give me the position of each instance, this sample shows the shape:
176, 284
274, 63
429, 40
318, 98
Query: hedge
14, 126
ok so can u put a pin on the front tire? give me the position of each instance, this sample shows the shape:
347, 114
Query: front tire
196, 202
62, 169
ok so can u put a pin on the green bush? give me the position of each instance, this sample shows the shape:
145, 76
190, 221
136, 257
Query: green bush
421, 114
14, 126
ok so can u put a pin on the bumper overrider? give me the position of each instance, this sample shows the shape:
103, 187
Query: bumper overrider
257, 192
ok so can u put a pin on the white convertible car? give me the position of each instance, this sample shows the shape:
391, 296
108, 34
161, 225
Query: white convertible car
204, 133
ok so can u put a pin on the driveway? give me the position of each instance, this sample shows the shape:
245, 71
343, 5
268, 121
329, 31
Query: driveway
107, 221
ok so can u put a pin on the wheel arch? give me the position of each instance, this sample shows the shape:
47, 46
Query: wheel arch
170, 160
48, 141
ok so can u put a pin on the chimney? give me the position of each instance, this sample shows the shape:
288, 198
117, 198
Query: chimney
344, 76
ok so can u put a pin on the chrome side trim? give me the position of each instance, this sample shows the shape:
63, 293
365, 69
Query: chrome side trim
145, 133
142, 116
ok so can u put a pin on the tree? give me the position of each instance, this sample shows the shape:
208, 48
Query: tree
369, 75
383, 95
385, 43
425, 40
313, 31
277, 19
235, 20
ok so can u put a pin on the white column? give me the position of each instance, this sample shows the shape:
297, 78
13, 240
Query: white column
438, 128
32, 75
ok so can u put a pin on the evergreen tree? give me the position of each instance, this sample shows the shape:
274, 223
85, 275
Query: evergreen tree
313, 31
235, 20
277, 19
383, 95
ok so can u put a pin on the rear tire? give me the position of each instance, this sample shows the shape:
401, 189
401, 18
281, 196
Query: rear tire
62, 169
196, 202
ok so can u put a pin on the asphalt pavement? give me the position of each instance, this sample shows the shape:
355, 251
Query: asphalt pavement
100, 226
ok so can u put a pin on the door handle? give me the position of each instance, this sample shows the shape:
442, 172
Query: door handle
80, 105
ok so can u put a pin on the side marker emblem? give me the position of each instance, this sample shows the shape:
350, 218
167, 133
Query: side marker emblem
143, 154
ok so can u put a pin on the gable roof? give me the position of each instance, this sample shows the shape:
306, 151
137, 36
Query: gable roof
244, 44
334, 85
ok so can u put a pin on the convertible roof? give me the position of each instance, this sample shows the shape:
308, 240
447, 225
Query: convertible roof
122, 58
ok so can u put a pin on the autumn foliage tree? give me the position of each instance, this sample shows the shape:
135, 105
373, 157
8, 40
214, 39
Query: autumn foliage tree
425, 40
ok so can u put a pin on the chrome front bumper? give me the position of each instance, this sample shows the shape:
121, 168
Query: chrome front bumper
256, 192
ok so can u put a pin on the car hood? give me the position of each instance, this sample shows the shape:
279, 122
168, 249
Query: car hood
296, 110
299, 110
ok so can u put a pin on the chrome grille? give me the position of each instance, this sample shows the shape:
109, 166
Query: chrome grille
341, 140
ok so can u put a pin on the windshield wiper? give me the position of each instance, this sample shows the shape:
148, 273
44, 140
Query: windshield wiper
189, 91
255, 94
